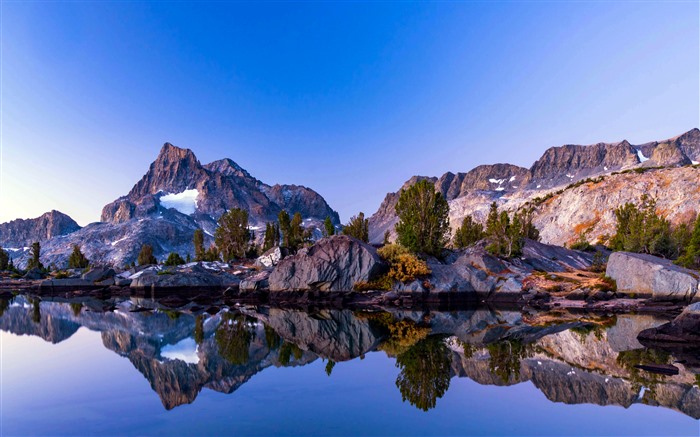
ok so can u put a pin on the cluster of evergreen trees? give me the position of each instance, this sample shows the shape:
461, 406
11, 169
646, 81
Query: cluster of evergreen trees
424, 225
640, 229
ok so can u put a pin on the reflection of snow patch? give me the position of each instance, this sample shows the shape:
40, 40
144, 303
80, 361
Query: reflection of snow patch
184, 350
641, 156
641, 392
185, 202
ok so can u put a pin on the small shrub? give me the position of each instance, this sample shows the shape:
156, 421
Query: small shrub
407, 268
381, 284
391, 252
62, 275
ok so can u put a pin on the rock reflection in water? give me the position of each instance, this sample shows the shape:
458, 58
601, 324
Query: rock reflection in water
572, 359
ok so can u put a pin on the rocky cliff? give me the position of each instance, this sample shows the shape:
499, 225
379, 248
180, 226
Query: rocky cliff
570, 208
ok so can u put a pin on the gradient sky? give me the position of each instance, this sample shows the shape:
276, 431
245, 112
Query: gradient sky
348, 98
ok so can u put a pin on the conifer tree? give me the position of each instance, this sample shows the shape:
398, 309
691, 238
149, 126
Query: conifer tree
423, 219
198, 241
297, 235
469, 233
270, 240
328, 228
358, 227
77, 260
285, 226
174, 259
4, 259
691, 255
233, 235
34, 261
146, 256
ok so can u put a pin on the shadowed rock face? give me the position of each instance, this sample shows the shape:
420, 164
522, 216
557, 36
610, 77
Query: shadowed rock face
333, 264
562, 218
21, 233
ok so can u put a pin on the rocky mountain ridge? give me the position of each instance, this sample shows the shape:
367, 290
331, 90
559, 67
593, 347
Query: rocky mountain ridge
510, 186
23, 232
176, 196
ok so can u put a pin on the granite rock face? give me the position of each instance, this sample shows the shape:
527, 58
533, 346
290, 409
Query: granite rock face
650, 275
332, 264
22, 233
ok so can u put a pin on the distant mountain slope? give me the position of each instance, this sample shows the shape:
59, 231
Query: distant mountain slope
511, 186
176, 196
23, 232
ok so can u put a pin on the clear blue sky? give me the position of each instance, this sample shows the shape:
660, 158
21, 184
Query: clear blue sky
348, 98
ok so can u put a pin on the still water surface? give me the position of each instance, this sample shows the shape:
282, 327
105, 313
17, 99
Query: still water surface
81, 370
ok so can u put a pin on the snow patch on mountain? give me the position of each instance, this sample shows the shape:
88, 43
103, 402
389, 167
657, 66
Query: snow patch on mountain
185, 202
641, 156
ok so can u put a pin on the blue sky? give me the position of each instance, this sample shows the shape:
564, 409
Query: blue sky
348, 98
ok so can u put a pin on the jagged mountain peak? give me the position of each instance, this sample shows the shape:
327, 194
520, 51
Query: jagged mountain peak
227, 167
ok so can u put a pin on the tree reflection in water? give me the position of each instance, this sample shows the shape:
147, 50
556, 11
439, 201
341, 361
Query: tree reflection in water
425, 372
233, 338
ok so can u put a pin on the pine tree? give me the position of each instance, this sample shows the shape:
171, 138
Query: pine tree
640, 229
198, 241
146, 256
35, 261
270, 240
297, 235
284, 225
423, 219
691, 255
358, 227
174, 259
233, 235
328, 228
469, 233
4, 259
77, 260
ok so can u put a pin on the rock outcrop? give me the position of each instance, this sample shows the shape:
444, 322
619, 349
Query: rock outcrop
22, 233
649, 275
332, 264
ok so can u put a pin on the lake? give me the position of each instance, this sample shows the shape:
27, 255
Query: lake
137, 367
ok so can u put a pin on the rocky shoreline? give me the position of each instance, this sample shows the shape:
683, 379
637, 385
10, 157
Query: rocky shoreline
545, 277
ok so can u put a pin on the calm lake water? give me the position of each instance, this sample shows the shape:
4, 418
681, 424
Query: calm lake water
137, 368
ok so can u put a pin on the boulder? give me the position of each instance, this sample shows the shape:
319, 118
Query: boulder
98, 274
270, 258
256, 282
335, 263
194, 277
649, 275
34, 274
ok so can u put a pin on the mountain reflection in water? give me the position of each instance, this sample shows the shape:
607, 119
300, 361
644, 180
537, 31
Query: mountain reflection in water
572, 359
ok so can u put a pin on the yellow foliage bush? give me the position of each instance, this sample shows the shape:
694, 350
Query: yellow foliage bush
407, 267
391, 252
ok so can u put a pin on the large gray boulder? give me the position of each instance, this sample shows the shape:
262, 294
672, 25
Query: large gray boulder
191, 277
332, 264
649, 275
98, 274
